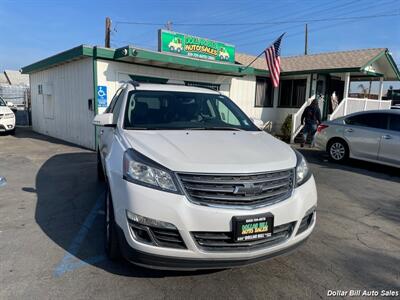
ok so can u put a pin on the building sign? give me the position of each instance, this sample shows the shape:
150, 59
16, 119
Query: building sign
196, 47
101, 96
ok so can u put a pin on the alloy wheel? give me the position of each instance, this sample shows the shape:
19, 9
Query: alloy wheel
337, 151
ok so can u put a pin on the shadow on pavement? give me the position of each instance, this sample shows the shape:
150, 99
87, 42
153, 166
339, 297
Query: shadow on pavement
67, 190
375, 170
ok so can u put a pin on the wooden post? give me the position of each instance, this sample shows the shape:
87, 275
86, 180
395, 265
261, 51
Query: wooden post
380, 92
346, 91
380, 88
107, 40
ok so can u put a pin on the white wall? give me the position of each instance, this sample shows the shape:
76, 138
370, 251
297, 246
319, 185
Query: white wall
66, 115
243, 91
112, 74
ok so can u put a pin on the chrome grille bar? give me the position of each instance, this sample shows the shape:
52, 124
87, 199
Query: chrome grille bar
250, 190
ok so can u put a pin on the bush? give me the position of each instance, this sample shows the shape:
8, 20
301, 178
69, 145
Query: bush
286, 127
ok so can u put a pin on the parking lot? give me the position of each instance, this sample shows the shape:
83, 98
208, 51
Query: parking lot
51, 234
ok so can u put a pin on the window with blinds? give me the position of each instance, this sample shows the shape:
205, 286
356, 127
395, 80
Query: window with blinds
264, 92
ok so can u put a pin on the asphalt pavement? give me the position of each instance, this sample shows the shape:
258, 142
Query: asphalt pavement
51, 235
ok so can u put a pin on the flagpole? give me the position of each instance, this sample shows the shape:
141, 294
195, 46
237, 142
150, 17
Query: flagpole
242, 69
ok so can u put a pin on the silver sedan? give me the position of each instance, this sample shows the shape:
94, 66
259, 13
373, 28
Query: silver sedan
369, 135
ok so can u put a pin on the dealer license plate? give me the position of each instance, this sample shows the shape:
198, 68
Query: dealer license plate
250, 228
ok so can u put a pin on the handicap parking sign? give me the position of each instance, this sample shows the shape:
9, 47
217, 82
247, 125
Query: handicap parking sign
101, 96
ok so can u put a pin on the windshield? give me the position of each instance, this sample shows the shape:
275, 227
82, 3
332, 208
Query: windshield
2, 102
154, 110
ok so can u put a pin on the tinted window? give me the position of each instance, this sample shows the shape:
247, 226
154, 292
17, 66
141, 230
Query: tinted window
369, 120
292, 92
394, 122
182, 111
2, 103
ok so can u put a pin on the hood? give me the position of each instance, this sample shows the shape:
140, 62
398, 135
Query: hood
213, 151
5, 110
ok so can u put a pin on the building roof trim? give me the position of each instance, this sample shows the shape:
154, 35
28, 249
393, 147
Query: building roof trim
131, 54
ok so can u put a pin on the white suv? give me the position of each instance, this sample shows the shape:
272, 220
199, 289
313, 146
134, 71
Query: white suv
7, 117
194, 184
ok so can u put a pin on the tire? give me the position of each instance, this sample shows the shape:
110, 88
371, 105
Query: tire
172, 49
110, 234
12, 132
100, 171
338, 150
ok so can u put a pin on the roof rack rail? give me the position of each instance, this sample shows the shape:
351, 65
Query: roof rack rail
134, 83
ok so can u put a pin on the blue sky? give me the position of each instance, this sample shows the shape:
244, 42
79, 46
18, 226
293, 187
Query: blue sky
35, 29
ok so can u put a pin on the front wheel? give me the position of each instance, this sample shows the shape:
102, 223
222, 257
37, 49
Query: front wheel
111, 238
338, 151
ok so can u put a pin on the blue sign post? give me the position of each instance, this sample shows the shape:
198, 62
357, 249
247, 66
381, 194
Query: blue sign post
101, 96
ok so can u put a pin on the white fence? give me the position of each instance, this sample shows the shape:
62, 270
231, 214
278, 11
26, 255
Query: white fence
351, 105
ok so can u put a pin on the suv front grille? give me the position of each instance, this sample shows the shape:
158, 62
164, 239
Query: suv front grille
216, 241
251, 190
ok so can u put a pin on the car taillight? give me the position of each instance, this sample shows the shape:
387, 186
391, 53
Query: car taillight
322, 127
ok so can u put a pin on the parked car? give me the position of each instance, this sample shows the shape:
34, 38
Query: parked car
7, 117
194, 184
370, 135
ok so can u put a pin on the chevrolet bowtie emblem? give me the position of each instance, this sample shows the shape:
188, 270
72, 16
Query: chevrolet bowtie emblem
247, 189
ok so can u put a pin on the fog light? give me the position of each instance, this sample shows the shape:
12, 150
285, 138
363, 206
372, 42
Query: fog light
149, 222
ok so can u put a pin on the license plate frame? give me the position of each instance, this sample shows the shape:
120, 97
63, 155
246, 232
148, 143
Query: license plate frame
251, 228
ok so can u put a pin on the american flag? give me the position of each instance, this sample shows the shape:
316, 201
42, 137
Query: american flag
272, 54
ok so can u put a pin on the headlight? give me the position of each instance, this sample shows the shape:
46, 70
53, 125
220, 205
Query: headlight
9, 116
302, 171
142, 170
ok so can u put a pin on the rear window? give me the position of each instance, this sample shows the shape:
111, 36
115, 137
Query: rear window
373, 120
394, 122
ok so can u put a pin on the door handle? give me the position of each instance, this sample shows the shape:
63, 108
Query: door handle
387, 137
349, 130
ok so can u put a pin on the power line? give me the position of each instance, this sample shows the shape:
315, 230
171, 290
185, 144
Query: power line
261, 23
336, 8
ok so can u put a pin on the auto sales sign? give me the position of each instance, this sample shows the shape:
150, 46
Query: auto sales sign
193, 46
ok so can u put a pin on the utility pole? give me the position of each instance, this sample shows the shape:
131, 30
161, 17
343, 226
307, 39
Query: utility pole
108, 33
306, 41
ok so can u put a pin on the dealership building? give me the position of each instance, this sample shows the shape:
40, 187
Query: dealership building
70, 88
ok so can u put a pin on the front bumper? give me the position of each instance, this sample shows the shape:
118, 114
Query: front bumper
159, 262
189, 218
7, 124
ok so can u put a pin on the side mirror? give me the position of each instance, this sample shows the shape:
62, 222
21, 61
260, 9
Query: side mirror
10, 104
259, 123
106, 120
